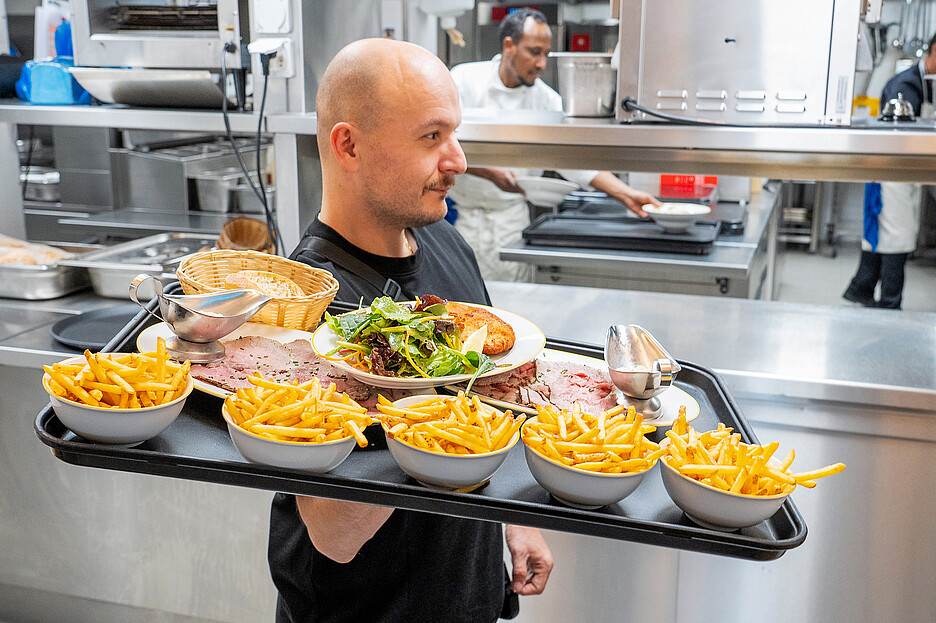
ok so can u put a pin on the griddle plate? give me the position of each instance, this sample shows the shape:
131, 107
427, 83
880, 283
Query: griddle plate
624, 234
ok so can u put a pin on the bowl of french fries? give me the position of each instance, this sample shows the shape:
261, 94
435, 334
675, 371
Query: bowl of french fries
304, 426
118, 398
448, 442
589, 461
722, 483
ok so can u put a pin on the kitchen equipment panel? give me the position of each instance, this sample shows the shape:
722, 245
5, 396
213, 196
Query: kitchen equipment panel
738, 61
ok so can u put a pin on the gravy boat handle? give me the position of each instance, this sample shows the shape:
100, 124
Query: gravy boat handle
140, 280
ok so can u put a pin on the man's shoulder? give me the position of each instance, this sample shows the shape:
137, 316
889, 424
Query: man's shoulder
470, 70
547, 94
443, 233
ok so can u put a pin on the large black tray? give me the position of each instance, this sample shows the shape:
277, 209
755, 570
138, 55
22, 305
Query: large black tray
197, 447
618, 233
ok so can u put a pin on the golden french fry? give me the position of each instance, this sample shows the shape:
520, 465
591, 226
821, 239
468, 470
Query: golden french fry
303, 412
450, 424
612, 442
720, 459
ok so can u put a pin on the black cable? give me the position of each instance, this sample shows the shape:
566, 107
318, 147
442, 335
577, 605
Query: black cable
629, 104
272, 229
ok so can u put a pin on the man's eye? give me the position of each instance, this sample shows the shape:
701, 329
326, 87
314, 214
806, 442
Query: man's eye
432, 135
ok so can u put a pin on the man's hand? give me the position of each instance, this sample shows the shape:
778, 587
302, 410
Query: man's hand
609, 184
505, 179
532, 560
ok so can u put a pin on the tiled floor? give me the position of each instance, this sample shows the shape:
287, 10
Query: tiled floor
819, 278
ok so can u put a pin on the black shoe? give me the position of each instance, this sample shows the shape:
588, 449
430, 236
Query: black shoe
854, 298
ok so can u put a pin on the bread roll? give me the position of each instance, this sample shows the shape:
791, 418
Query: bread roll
271, 284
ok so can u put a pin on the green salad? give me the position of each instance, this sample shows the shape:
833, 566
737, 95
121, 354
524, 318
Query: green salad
391, 339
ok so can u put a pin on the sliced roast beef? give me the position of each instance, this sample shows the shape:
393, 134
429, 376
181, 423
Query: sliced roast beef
221, 375
295, 361
559, 383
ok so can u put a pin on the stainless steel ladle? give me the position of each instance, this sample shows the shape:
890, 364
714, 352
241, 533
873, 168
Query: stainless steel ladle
200, 320
639, 367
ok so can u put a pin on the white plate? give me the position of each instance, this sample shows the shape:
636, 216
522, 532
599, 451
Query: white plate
545, 191
670, 400
146, 342
529, 343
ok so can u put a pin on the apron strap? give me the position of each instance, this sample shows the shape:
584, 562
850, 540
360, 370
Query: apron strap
338, 256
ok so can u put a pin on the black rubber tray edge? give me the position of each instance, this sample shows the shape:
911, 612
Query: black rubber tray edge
594, 523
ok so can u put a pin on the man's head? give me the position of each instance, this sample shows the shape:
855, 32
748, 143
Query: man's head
387, 114
525, 41
930, 59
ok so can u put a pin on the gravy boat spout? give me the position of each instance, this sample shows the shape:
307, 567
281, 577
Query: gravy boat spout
638, 365
202, 318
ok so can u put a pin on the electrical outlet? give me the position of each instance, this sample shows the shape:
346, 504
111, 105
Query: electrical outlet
282, 65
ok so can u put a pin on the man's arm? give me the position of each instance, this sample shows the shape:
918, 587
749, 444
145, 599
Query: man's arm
532, 560
502, 178
609, 184
340, 529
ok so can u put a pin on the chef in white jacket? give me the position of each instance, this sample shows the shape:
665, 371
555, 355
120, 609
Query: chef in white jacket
492, 211
892, 209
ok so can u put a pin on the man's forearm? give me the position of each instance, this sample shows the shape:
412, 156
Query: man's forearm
339, 529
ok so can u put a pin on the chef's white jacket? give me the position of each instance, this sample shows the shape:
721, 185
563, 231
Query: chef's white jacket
488, 217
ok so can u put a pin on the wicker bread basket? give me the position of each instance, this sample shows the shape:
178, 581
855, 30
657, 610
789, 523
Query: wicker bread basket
204, 272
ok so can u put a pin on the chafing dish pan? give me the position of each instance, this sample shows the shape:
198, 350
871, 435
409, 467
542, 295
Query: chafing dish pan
112, 269
38, 282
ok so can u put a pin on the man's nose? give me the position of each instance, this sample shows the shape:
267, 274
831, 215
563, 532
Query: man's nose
541, 62
454, 161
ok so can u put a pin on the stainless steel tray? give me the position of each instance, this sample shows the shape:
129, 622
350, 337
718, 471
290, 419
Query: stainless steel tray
38, 282
112, 269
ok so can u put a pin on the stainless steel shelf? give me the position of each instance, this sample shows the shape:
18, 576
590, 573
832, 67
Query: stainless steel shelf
106, 116
551, 140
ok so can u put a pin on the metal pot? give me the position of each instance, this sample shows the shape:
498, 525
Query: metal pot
898, 109
587, 83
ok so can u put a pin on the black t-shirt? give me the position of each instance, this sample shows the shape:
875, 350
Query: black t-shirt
443, 265
418, 566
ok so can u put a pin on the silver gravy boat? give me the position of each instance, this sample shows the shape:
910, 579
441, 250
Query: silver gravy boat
639, 366
199, 321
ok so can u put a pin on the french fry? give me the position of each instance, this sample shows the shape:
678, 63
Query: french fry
611, 442
450, 424
300, 413
120, 380
720, 459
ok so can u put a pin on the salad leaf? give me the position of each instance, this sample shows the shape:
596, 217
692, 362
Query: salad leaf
421, 344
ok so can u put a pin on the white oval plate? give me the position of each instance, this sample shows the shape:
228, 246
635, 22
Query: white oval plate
670, 400
146, 342
529, 342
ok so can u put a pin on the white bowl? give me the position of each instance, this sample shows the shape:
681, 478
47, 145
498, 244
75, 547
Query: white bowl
452, 472
713, 508
580, 488
302, 455
545, 191
676, 217
116, 426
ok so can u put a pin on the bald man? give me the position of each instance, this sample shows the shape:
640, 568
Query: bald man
387, 114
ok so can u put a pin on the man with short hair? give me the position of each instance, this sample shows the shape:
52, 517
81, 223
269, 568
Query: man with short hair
387, 114
491, 210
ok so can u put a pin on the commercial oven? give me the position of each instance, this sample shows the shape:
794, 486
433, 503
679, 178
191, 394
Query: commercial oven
159, 34
739, 61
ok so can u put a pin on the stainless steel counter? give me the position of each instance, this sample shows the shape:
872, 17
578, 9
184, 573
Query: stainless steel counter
849, 355
852, 385
739, 266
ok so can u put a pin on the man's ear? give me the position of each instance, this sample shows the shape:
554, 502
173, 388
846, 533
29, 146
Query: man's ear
343, 140
507, 45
